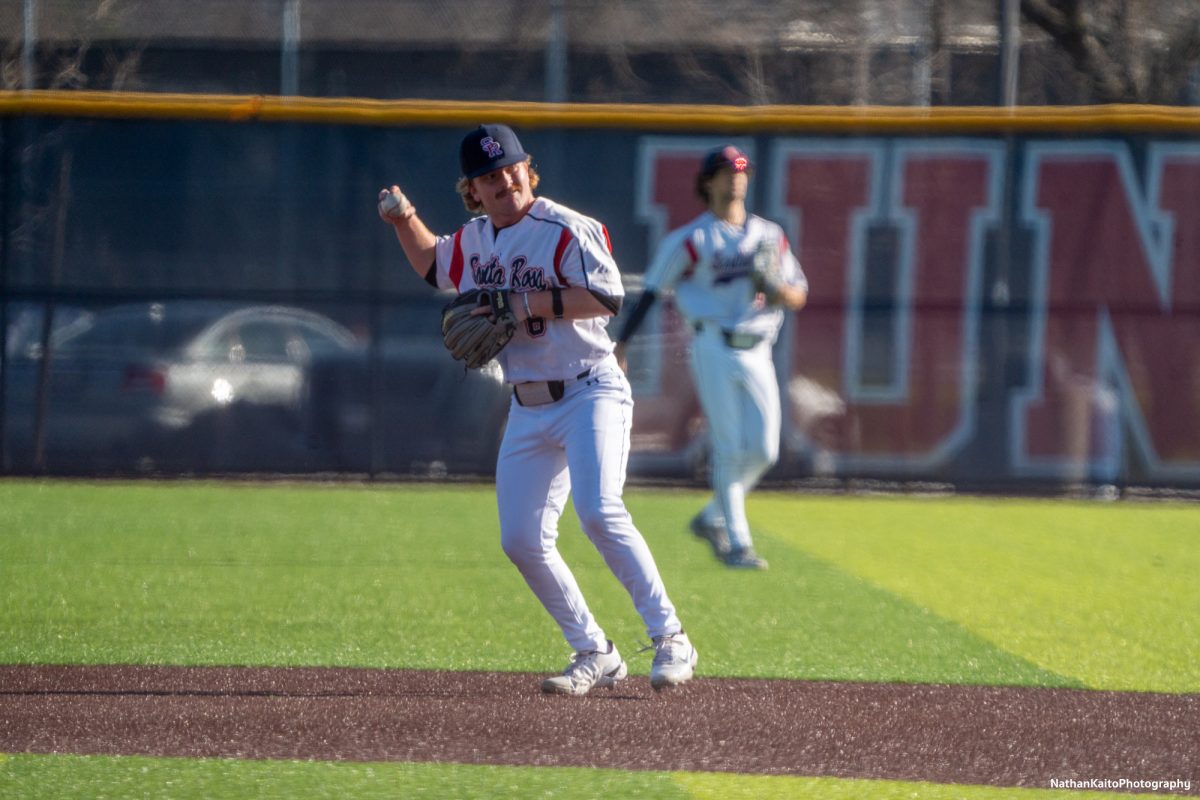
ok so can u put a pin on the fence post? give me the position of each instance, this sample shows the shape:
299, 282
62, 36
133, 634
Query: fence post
556, 54
1010, 51
29, 46
289, 58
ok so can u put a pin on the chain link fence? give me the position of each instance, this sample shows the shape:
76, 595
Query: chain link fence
741, 52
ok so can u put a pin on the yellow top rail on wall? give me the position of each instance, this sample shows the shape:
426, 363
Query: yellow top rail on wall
804, 119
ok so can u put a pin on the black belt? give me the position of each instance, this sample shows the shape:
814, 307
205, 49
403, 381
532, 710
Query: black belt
734, 339
540, 393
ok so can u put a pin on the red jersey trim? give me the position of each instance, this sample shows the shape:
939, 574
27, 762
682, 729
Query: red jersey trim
456, 261
693, 255
564, 239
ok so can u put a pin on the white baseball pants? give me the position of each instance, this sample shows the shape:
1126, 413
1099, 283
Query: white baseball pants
578, 443
739, 395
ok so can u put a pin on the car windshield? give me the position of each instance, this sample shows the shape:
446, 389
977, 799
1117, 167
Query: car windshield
153, 329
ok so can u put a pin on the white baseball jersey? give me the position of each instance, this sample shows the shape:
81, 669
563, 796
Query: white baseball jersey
708, 263
552, 246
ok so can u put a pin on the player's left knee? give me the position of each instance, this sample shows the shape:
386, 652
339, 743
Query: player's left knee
600, 518
522, 547
764, 456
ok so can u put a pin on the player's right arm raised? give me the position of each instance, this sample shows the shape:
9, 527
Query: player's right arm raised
419, 243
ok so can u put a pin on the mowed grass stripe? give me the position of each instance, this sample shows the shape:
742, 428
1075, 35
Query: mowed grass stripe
197, 573
413, 577
36, 777
1104, 593
808, 618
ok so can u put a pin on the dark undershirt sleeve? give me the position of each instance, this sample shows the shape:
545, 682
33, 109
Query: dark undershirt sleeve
637, 315
613, 304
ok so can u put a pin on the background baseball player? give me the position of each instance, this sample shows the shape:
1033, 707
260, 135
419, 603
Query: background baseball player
569, 423
733, 275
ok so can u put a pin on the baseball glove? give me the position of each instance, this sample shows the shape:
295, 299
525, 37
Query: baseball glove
476, 339
767, 271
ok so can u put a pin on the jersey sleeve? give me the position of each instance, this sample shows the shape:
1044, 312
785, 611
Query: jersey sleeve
584, 258
793, 273
448, 260
674, 260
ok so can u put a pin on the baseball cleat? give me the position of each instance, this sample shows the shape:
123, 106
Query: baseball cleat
713, 534
674, 661
587, 669
744, 558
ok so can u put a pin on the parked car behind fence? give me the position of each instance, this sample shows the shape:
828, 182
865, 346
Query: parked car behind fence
197, 386
409, 409
188, 385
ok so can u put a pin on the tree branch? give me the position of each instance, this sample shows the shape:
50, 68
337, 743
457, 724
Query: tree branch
1172, 65
1064, 22
1044, 15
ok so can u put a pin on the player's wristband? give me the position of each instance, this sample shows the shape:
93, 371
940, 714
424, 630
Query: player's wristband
556, 299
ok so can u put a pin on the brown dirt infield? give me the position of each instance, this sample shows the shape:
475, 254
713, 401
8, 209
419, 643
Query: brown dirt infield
1002, 736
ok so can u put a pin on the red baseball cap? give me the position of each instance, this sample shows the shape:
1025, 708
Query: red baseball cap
725, 156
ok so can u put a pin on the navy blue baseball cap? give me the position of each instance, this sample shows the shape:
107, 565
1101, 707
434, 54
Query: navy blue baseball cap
489, 147
725, 156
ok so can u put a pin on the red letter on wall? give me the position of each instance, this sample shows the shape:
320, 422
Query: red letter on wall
1116, 312
936, 200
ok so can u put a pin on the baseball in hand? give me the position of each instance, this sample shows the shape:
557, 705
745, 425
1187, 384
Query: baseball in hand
393, 205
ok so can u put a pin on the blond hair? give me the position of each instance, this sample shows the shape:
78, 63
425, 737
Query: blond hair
463, 187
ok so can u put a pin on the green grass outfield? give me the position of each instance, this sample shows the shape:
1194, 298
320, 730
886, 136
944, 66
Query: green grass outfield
945, 590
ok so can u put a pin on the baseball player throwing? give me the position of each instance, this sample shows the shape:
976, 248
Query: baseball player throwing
569, 423
733, 275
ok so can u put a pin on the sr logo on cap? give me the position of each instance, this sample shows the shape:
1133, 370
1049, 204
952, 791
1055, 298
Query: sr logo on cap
489, 147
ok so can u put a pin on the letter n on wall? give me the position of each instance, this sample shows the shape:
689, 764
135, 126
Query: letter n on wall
1115, 312
881, 374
